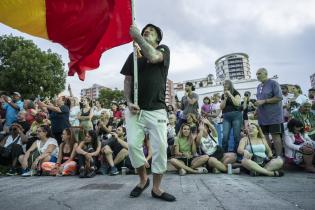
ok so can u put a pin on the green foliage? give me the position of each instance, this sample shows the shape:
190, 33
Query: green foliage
25, 68
108, 95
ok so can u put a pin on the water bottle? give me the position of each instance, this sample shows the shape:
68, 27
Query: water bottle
229, 169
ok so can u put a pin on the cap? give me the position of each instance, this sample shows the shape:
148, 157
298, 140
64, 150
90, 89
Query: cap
17, 93
158, 30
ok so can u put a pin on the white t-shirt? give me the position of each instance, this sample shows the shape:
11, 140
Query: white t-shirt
10, 140
218, 109
97, 113
73, 117
301, 99
43, 148
208, 145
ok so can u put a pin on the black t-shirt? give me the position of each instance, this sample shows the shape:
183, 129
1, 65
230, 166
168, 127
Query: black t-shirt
151, 80
25, 125
229, 106
59, 121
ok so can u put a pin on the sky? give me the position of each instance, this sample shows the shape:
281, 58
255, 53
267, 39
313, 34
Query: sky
278, 35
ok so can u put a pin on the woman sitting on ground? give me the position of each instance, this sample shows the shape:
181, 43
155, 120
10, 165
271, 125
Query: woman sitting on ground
88, 151
65, 164
207, 140
299, 148
185, 148
257, 155
45, 149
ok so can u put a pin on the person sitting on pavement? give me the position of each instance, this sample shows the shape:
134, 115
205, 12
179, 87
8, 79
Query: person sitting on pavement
11, 147
87, 154
299, 148
66, 164
45, 149
306, 117
40, 120
171, 134
185, 149
207, 141
116, 150
104, 126
257, 155
192, 121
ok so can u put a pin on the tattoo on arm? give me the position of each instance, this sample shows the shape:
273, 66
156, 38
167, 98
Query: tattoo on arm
127, 88
152, 54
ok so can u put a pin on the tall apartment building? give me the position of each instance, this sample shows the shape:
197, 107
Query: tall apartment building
170, 93
92, 92
312, 77
233, 66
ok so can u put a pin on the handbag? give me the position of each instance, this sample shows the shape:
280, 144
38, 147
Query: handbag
5, 152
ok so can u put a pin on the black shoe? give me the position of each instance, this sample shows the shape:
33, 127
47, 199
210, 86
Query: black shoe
136, 192
164, 196
114, 171
82, 173
91, 174
12, 172
103, 170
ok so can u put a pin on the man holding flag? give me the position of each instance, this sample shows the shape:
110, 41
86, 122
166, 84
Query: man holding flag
150, 112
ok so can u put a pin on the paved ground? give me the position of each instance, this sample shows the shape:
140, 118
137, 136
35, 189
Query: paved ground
295, 190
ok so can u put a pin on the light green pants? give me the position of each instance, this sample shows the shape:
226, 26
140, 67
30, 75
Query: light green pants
156, 124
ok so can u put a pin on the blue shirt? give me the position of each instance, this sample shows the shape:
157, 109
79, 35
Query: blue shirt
11, 113
269, 114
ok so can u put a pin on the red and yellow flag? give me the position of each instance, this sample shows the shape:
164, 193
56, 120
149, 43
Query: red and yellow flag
86, 28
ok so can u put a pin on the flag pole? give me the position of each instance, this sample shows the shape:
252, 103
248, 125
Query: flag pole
135, 62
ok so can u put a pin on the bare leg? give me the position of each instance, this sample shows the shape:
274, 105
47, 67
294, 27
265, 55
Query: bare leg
157, 179
215, 163
120, 156
199, 161
253, 166
142, 172
108, 155
180, 164
268, 140
228, 158
274, 164
277, 142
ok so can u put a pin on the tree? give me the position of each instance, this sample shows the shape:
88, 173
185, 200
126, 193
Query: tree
27, 69
108, 95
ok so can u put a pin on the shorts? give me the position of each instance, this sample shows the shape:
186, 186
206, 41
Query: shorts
272, 129
187, 161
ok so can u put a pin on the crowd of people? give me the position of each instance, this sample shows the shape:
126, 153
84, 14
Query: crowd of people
67, 136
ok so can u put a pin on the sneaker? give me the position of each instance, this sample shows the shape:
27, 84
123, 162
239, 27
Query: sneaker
91, 173
202, 170
113, 171
182, 172
103, 170
82, 173
11, 172
28, 173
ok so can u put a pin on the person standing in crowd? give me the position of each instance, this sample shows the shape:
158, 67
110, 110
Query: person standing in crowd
232, 116
189, 104
206, 107
22, 121
74, 111
12, 108
247, 106
306, 117
150, 112
215, 116
29, 107
117, 114
269, 109
58, 115
311, 97
86, 115
97, 110
299, 148
286, 98
298, 98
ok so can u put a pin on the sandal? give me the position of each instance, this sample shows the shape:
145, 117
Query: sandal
164, 196
202, 170
136, 192
278, 173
